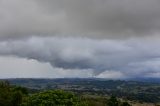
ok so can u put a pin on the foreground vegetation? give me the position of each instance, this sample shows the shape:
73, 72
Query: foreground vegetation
78, 92
138, 91
19, 96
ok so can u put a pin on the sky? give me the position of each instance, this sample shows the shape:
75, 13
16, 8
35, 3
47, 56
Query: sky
115, 39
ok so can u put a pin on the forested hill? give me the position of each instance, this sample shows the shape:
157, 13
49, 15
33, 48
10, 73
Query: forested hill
142, 91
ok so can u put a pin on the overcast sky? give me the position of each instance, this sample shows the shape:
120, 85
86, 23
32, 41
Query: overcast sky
80, 38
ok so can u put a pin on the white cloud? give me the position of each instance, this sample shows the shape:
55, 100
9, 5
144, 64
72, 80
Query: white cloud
112, 75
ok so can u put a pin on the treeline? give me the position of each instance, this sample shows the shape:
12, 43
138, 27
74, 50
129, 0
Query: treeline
130, 90
11, 95
19, 96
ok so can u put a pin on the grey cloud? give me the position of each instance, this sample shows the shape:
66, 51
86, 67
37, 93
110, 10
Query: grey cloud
127, 57
89, 18
13, 67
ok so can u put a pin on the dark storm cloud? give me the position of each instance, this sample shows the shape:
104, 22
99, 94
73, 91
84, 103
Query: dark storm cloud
89, 18
127, 57
61, 32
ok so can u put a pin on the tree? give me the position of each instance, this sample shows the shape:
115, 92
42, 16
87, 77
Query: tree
53, 98
125, 104
113, 101
16, 98
5, 94
10, 95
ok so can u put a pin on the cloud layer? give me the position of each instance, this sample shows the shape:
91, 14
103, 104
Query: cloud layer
114, 38
91, 18
13, 67
130, 58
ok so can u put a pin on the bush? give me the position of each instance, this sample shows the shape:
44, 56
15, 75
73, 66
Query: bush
53, 98
9, 95
114, 102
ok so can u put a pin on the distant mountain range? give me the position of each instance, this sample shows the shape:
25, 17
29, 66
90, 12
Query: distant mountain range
151, 80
